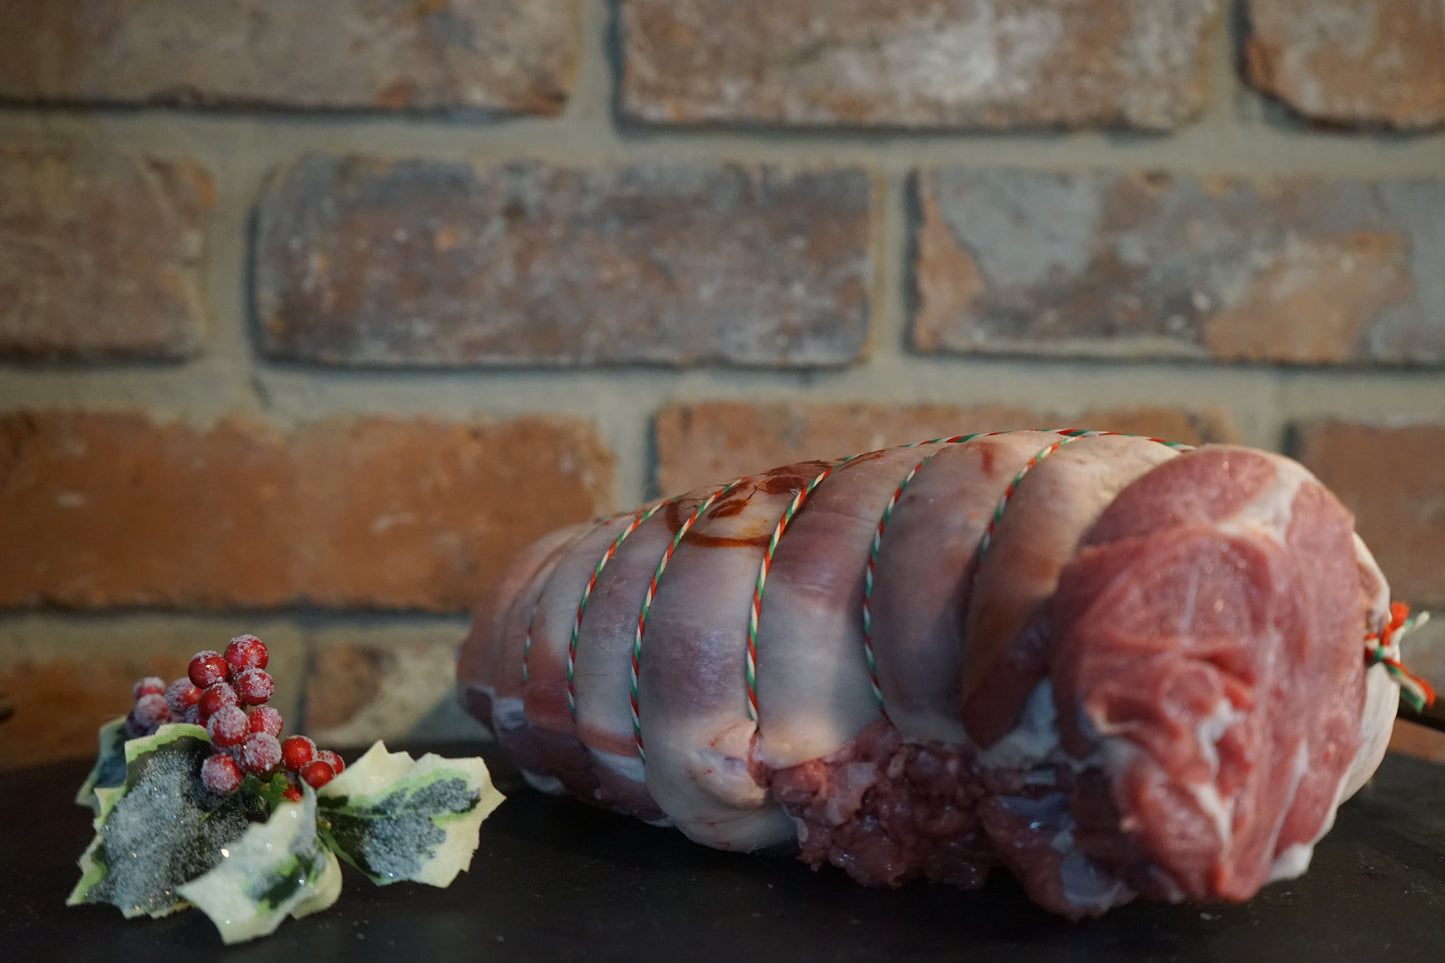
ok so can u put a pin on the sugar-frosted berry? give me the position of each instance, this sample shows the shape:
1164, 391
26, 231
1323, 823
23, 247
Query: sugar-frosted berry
331, 759
254, 686
246, 652
297, 751
265, 719
193, 715
215, 697
291, 793
260, 753
317, 774
181, 695
207, 668
134, 729
151, 711
221, 774
227, 726
149, 685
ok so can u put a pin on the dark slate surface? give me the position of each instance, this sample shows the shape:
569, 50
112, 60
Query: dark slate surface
554, 880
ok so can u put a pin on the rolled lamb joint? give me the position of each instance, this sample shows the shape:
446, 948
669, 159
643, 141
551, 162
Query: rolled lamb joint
1112, 665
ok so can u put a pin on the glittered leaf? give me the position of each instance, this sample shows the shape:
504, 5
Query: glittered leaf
396, 818
109, 768
279, 868
161, 827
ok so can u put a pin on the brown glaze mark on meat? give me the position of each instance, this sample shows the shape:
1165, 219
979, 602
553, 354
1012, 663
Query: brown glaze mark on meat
755, 534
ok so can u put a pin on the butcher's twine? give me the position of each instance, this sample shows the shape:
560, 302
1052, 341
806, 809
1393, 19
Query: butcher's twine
1381, 648
1416, 692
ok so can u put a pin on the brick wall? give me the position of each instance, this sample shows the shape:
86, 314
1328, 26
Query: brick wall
308, 319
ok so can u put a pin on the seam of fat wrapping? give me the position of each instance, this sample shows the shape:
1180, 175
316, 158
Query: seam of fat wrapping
1033, 741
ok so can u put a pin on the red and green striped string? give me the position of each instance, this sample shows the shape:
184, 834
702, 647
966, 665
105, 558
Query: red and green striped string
755, 612
647, 605
1069, 435
1416, 692
868, 570
587, 594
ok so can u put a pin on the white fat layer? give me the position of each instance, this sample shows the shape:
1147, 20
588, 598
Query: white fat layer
628, 767
1087, 886
1268, 512
1294, 860
550, 785
1379, 605
1033, 741
508, 713
1213, 727
1207, 733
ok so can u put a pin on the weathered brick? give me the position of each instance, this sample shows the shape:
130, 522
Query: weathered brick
358, 693
59, 685
1393, 479
100, 253
712, 442
365, 261
114, 510
505, 55
1341, 62
915, 63
1295, 270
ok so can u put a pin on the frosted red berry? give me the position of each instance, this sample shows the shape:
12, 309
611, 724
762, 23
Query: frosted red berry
297, 751
151, 712
246, 652
207, 668
331, 759
227, 726
254, 686
221, 774
260, 753
317, 774
150, 685
181, 695
291, 793
265, 719
215, 697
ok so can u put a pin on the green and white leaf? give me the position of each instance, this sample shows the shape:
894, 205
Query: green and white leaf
279, 868
109, 768
396, 818
161, 828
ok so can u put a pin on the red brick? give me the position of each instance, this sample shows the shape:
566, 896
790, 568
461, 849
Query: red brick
712, 442
365, 261
915, 63
58, 686
505, 55
115, 510
1296, 270
1393, 479
1346, 63
100, 253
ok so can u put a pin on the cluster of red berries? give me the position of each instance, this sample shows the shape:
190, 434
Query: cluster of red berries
227, 693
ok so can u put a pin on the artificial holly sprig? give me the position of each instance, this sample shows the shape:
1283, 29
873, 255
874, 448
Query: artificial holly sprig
249, 827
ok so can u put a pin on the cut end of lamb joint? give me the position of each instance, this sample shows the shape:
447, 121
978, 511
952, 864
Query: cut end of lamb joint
1207, 674
1113, 666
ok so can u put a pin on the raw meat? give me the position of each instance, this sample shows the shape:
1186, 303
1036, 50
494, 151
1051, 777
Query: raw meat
1112, 665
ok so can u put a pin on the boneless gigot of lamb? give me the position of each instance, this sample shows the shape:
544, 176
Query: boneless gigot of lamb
1113, 665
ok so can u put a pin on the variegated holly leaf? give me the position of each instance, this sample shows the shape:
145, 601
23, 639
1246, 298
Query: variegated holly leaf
109, 768
395, 818
279, 868
161, 827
